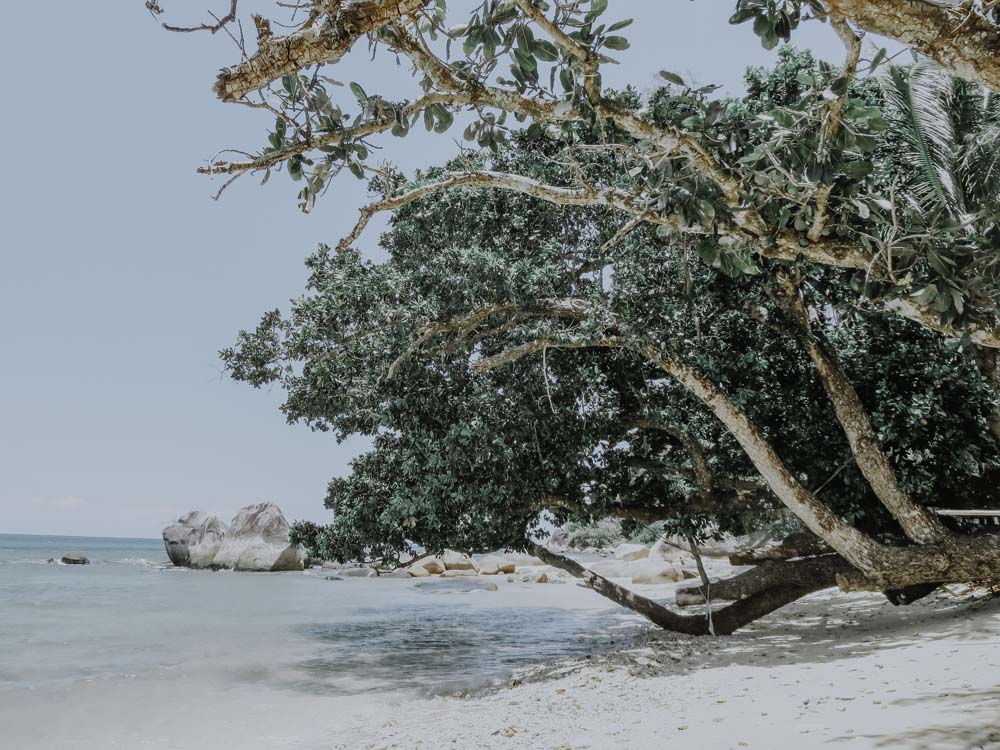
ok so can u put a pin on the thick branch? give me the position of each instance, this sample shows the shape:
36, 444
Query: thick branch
325, 42
918, 523
726, 621
813, 573
962, 559
957, 37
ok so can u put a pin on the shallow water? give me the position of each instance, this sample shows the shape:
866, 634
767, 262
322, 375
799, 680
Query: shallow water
131, 653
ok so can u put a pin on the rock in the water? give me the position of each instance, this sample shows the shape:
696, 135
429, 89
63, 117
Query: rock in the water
491, 565
629, 552
257, 540
194, 540
75, 558
456, 584
332, 578
458, 561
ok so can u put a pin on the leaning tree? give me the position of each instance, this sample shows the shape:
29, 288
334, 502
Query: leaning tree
802, 184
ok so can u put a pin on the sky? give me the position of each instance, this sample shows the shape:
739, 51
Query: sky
120, 277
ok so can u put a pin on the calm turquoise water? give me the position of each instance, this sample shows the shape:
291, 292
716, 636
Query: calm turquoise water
130, 652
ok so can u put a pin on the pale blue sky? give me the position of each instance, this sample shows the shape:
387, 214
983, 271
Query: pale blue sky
121, 279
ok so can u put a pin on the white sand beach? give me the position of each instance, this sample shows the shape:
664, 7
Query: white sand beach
833, 670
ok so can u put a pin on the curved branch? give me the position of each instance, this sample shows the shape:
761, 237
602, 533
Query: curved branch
815, 573
724, 622
879, 567
862, 551
212, 28
917, 522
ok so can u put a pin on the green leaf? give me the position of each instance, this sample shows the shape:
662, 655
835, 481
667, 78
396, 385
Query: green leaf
666, 75
616, 43
359, 93
877, 60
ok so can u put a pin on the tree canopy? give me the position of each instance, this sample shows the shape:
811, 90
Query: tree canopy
672, 307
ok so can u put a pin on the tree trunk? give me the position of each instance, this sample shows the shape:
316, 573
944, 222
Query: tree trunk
726, 621
918, 523
963, 559
812, 573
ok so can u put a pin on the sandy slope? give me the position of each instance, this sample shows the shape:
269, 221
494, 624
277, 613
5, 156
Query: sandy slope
834, 670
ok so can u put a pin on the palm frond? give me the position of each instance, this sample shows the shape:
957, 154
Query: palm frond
980, 166
919, 106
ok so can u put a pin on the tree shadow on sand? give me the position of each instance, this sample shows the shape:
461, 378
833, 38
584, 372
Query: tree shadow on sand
824, 627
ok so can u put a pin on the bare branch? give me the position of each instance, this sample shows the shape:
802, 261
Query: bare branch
213, 28
273, 158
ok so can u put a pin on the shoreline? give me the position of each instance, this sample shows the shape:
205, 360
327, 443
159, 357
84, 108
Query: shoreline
832, 670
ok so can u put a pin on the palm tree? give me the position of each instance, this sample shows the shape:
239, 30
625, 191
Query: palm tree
946, 139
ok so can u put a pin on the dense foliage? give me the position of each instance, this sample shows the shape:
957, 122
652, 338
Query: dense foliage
468, 459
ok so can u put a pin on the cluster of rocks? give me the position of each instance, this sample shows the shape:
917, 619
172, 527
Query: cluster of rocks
256, 540
460, 572
517, 568
642, 565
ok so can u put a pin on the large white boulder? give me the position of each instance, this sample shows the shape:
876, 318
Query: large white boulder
458, 561
644, 571
430, 565
194, 540
519, 558
417, 571
631, 552
663, 550
491, 565
459, 573
258, 540
655, 572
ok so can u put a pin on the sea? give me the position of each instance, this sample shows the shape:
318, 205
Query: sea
130, 652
